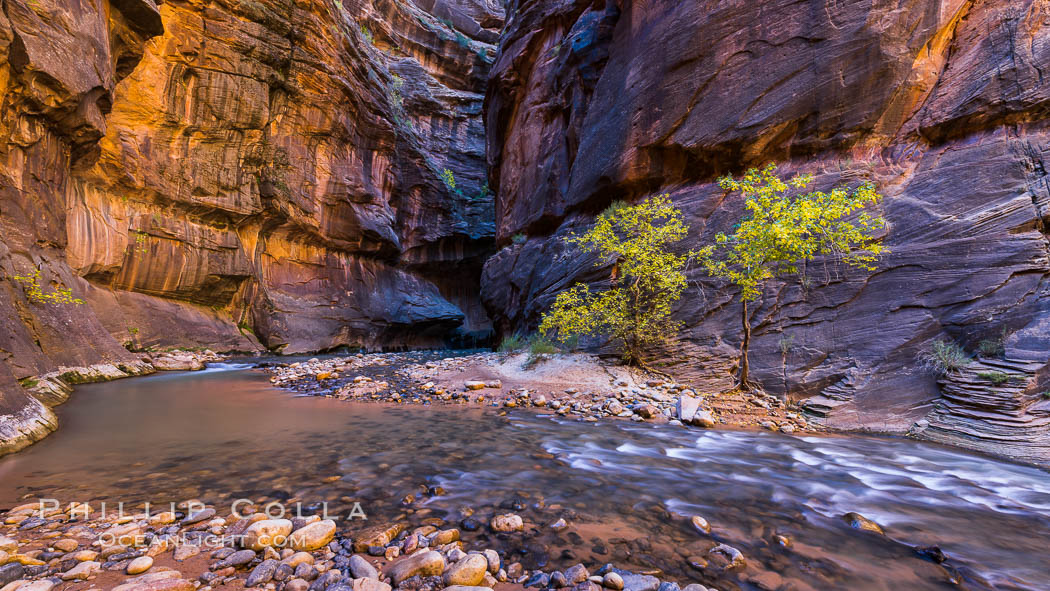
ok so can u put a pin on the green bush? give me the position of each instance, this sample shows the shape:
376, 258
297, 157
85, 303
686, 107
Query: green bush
539, 346
944, 357
35, 293
518, 238
512, 343
996, 377
994, 347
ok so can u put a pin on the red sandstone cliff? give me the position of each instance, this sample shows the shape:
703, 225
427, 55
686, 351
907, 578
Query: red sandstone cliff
943, 104
238, 174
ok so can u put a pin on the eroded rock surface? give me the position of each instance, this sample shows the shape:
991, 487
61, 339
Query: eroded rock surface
239, 175
942, 104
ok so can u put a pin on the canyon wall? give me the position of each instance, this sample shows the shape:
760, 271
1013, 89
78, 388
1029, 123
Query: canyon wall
294, 175
943, 104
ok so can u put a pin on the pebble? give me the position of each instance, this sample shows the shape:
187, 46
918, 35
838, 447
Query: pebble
635, 582
239, 558
858, 521
362, 569
577, 574
539, 580
732, 555
198, 517
186, 551
470, 571
82, 571
369, 585
493, 560
424, 564
507, 523
313, 536
701, 524
267, 532
262, 574
11, 572
612, 581
139, 565
162, 518
66, 545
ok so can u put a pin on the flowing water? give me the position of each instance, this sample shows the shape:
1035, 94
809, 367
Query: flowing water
626, 489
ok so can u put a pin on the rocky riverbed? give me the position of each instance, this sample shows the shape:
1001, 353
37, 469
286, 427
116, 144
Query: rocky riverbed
46, 546
728, 509
579, 386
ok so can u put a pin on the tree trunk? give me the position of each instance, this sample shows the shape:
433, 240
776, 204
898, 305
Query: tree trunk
745, 383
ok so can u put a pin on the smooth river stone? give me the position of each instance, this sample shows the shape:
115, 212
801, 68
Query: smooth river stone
507, 523
469, 572
313, 536
360, 568
424, 564
265, 533
139, 565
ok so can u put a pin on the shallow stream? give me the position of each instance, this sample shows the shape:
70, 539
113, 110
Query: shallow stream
625, 489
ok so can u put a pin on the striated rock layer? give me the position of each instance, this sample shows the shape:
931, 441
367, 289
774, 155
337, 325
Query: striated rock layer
943, 104
238, 175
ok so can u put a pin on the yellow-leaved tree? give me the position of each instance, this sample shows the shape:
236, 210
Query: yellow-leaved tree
635, 312
784, 226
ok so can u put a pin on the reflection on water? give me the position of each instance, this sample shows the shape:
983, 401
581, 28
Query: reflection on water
625, 488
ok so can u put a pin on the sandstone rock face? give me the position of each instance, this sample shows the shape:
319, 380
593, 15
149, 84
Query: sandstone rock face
239, 175
942, 104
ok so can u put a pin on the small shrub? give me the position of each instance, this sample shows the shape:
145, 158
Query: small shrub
35, 293
518, 238
539, 347
996, 377
994, 347
28, 383
1046, 395
512, 343
367, 35
944, 357
141, 242
449, 178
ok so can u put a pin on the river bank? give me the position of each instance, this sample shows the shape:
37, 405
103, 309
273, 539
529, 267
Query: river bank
45, 546
571, 385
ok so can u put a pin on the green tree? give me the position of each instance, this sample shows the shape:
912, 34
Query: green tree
647, 280
784, 226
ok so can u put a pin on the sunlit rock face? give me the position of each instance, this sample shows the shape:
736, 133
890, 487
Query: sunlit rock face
241, 175
943, 104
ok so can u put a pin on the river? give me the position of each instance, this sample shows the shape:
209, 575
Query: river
625, 489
